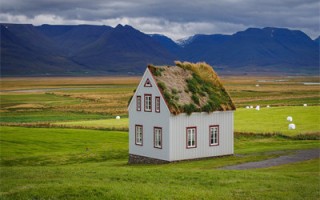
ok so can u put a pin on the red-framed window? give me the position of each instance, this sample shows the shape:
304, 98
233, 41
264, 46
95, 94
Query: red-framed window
148, 103
139, 135
157, 137
157, 104
138, 103
214, 135
191, 137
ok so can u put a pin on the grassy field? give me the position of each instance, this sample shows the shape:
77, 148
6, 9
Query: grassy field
40, 163
78, 163
266, 120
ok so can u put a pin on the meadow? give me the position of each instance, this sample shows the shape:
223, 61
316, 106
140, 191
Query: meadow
59, 139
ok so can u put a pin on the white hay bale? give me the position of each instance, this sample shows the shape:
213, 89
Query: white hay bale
251, 106
117, 117
305, 105
292, 126
289, 118
257, 107
257, 85
268, 106
247, 107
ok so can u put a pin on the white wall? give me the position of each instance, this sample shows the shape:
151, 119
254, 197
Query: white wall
149, 120
202, 121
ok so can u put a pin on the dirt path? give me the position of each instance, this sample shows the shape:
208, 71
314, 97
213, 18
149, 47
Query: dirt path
300, 155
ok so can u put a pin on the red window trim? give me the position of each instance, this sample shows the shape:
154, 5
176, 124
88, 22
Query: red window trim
147, 83
138, 105
154, 137
135, 135
211, 145
145, 95
195, 141
157, 98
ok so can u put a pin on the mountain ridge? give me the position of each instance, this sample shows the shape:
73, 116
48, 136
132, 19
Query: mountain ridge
92, 49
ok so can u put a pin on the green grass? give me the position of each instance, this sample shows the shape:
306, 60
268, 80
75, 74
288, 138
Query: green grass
40, 163
267, 120
46, 116
44, 99
42, 146
116, 124
274, 120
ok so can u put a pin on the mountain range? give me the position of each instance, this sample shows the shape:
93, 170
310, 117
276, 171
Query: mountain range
91, 50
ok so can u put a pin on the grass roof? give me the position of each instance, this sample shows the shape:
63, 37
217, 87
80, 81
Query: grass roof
191, 87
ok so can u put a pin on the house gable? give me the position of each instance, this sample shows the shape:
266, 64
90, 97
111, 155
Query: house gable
148, 88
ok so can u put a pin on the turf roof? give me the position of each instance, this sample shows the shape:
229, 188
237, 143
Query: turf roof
191, 87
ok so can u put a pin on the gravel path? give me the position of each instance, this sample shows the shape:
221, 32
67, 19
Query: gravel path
300, 155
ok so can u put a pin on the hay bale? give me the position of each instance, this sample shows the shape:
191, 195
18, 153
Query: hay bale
289, 118
117, 117
257, 85
305, 105
292, 126
257, 107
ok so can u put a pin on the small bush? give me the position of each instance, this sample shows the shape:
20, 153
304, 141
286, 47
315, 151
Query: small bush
189, 108
195, 99
167, 96
207, 108
192, 85
174, 91
162, 86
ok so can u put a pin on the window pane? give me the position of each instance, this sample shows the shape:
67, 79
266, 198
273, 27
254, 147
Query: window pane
157, 137
191, 137
214, 131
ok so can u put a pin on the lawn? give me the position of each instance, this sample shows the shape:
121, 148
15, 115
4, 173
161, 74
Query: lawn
40, 163
274, 120
113, 124
79, 163
266, 120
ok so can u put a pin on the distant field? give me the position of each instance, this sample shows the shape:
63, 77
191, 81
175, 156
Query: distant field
51, 163
113, 124
78, 163
267, 120
274, 120
94, 102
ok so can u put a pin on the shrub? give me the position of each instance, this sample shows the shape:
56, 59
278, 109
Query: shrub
207, 108
192, 85
195, 99
189, 108
174, 91
162, 86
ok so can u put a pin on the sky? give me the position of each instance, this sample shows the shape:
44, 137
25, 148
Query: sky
173, 18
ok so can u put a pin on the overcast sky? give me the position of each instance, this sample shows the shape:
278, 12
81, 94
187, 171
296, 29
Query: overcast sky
173, 18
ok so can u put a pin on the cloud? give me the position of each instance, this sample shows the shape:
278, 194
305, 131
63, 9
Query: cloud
174, 18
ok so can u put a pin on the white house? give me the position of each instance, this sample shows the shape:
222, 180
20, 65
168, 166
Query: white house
179, 113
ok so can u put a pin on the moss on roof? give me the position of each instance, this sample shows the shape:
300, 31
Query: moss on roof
191, 87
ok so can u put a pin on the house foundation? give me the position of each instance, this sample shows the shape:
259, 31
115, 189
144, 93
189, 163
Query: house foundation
135, 159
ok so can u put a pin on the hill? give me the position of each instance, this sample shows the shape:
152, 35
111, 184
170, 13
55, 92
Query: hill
267, 49
92, 50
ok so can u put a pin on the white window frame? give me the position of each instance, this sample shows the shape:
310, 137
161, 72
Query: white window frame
157, 104
157, 137
139, 135
138, 103
191, 135
214, 135
148, 102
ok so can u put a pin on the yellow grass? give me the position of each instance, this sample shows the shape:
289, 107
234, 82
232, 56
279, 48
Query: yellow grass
19, 83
